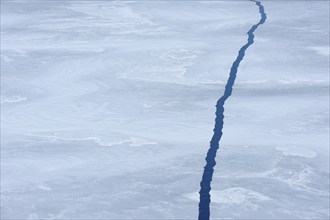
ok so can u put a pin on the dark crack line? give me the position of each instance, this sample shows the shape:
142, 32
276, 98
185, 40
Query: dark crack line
205, 199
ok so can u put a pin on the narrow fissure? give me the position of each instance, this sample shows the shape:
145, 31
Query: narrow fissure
205, 198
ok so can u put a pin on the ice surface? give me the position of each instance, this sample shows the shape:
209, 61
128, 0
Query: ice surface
107, 109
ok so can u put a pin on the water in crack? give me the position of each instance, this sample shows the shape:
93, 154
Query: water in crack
205, 199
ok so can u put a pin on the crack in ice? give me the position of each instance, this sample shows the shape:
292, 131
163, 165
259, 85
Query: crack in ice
205, 199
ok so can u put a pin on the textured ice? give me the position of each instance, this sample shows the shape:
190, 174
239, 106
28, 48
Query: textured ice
107, 109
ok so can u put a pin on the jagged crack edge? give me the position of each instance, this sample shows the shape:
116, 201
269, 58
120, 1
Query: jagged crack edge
205, 198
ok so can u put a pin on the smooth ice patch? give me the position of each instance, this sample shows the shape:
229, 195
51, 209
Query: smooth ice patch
132, 141
137, 142
296, 151
15, 98
321, 50
235, 195
101, 141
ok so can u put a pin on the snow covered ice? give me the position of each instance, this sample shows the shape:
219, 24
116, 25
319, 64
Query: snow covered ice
107, 109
